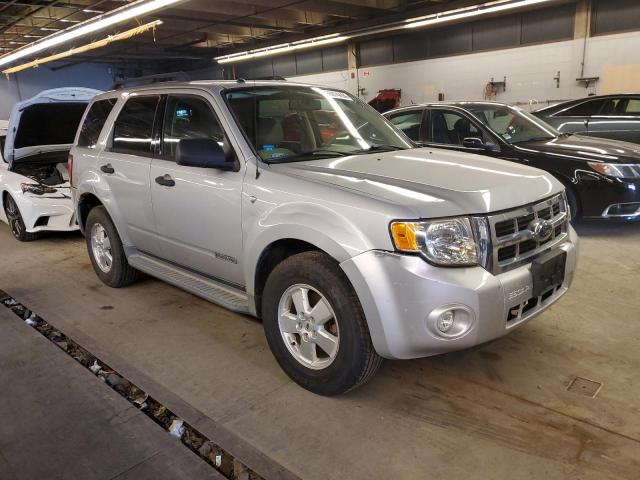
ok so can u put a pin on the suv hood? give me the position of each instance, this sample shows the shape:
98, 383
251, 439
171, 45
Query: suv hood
433, 182
75, 96
581, 147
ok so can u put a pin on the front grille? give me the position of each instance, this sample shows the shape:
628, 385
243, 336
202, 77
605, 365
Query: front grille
513, 243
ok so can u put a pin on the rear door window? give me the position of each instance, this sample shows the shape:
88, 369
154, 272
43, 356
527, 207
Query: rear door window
188, 117
585, 109
133, 129
94, 121
409, 122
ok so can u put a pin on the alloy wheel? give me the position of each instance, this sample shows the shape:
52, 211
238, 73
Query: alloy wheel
101, 247
308, 326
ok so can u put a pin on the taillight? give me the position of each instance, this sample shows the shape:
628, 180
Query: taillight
70, 168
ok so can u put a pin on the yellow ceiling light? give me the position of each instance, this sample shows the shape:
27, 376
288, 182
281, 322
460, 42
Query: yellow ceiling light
109, 19
85, 48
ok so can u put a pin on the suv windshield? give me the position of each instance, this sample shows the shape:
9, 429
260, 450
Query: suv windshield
513, 124
295, 123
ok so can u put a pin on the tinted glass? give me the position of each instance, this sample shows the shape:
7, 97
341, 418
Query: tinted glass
294, 123
585, 109
188, 117
49, 124
94, 121
633, 107
133, 128
409, 123
513, 124
451, 128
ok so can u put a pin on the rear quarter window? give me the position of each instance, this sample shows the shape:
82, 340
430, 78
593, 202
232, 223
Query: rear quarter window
94, 121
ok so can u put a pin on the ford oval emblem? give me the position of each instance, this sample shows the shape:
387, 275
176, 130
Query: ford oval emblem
541, 229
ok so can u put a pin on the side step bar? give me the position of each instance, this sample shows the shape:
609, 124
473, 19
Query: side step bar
215, 292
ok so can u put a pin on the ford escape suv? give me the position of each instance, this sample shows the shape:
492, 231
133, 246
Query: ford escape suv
303, 206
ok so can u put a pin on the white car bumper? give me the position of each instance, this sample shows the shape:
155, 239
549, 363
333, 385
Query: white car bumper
47, 213
402, 296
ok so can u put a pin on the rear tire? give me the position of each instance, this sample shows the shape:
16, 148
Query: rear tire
16, 222
315, 325
106, 252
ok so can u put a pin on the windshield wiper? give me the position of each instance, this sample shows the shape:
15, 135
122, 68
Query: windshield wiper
383, 147
534, 139
302, 156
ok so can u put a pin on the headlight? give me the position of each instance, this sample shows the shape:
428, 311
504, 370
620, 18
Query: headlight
36, 189
443, 242
618, 170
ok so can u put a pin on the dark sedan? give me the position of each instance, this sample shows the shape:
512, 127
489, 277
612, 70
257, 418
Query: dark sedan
607, 116
602, 176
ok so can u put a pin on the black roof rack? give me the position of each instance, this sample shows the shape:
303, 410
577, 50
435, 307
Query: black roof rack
151, 79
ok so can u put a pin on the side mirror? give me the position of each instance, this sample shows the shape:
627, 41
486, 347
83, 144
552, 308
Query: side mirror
473, 142
203, 153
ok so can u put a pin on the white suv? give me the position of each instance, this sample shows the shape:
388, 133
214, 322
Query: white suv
303, 206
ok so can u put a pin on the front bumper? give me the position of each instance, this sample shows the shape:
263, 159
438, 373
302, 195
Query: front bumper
399, 292
47, 213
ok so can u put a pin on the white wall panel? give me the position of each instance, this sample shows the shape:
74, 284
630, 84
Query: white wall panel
529, 71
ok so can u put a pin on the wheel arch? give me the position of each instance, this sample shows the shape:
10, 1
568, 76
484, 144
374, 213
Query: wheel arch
86, 203
569, 185
270, 257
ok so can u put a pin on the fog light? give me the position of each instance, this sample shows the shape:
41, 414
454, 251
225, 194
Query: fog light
450, 321
445, 321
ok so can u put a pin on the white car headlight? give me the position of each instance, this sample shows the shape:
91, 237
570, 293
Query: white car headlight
618, 170
447, 242
36, 188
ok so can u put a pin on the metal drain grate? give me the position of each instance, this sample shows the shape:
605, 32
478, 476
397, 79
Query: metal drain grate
584, 386
213, 454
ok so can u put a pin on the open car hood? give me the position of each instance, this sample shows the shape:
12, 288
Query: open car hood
35, 128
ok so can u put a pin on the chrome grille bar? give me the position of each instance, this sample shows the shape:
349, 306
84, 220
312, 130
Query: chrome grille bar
517, 244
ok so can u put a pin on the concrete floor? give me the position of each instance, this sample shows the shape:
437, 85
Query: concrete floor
498, 411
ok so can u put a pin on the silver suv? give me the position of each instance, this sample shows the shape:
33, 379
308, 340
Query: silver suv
303, 206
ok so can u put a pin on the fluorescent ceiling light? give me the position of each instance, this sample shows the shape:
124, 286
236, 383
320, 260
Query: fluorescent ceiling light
490, 7
282, 48
119, 15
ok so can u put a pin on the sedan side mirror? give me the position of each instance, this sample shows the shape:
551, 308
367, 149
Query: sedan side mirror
473, 142
203, 153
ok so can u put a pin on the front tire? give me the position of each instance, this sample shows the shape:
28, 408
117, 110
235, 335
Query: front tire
106, 252
315, 325
16, 222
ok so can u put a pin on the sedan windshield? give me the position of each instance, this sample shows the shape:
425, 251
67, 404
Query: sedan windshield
513, 124
296, 123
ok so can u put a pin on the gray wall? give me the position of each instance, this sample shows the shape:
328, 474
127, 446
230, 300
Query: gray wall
28, 83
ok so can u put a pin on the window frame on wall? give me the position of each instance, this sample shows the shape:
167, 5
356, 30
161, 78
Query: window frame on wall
466, 33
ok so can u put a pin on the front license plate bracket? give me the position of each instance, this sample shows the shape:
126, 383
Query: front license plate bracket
547, 271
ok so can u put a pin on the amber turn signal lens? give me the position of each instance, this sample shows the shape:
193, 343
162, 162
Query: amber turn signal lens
404, 236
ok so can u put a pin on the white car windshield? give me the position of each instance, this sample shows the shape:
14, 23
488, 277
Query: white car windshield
513, 124
296, 123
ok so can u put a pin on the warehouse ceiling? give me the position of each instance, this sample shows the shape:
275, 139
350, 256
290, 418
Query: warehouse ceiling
200, 29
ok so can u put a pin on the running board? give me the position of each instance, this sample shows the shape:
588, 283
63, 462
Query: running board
215, 292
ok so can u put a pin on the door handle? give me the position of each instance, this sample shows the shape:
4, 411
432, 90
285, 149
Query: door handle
107, 168
165, 180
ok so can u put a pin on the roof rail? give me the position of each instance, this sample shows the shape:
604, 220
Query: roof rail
151, 79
